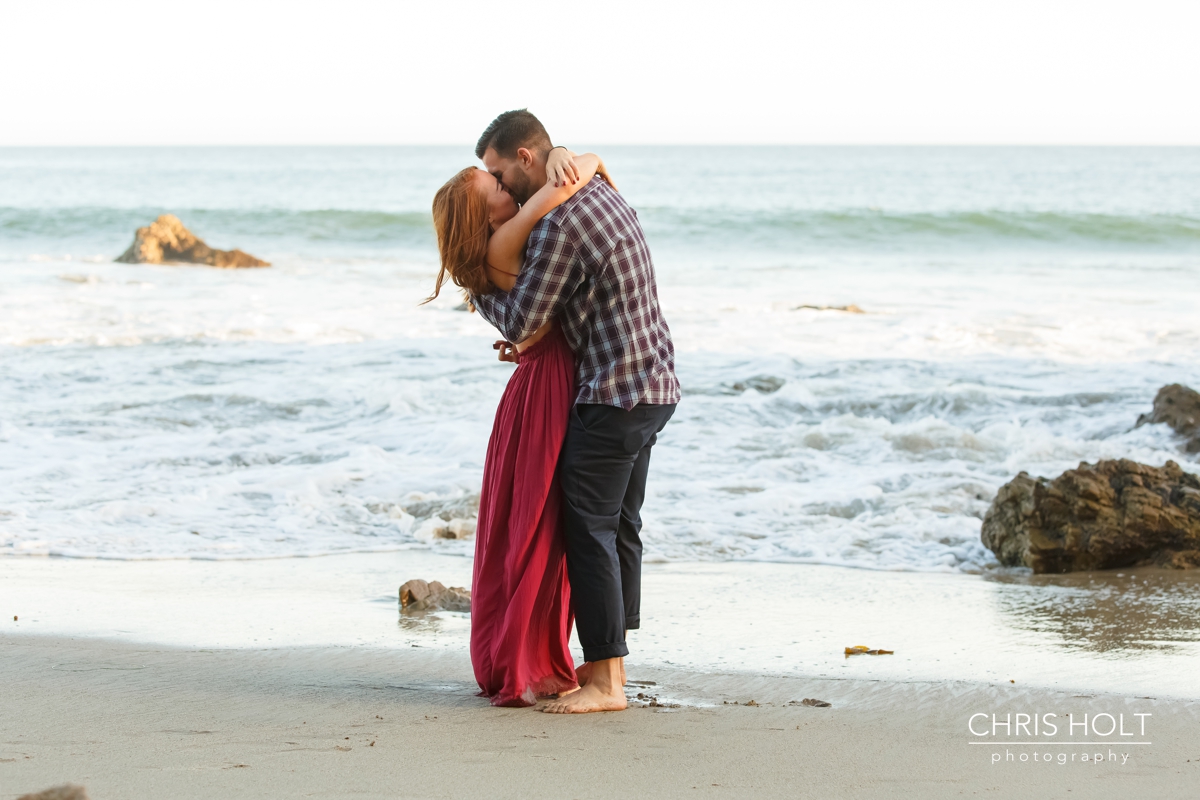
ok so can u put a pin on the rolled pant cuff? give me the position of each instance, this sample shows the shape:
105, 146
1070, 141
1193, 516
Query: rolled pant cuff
633, 623
601, 652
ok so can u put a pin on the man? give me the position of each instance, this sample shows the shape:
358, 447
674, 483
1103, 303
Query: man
587, 264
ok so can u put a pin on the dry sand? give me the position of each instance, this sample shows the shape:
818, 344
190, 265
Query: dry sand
145, 721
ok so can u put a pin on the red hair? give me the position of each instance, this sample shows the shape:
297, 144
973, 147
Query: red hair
460, 218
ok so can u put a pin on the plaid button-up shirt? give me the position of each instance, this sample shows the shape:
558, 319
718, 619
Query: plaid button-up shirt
588, 265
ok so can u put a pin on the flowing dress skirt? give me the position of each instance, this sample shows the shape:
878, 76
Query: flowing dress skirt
520, 599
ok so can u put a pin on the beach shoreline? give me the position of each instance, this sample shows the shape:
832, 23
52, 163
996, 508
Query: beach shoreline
252, 678
216, 480
139, 721
1133, 632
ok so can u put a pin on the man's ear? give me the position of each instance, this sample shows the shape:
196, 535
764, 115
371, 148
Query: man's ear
526, 157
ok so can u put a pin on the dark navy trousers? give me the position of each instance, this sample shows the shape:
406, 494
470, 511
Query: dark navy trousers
602, 471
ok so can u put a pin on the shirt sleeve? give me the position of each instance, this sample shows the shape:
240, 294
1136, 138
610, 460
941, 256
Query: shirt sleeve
549, 276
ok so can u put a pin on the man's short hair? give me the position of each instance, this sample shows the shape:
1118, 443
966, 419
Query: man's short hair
511, 130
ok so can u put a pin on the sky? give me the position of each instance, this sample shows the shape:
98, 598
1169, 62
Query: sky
121, 72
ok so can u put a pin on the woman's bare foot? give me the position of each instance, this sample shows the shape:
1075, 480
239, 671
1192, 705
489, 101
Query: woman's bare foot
602, 692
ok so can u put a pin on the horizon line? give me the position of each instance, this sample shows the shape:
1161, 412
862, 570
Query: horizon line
617, 144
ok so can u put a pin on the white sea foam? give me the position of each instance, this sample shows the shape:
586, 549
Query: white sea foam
315, 407
214, 425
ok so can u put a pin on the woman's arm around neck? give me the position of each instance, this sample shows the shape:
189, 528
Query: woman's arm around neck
506, 247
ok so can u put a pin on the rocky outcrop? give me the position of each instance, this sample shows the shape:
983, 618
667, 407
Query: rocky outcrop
1099, 516
417, 595
166, 241
1179, 407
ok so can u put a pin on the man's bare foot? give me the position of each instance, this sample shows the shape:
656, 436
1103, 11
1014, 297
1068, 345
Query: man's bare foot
602, 692
588, 699
583, 673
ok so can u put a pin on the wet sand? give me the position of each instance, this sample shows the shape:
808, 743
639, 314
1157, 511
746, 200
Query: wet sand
273, 678
1126, 632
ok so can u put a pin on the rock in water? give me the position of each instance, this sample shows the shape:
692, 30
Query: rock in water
413, 592
1179, 407
417, 595
166, 240
454, 598
1111, 514
850, 309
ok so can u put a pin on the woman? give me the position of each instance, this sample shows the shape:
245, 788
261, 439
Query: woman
520, 599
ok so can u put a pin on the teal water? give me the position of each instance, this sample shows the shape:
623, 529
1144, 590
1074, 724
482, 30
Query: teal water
765, 197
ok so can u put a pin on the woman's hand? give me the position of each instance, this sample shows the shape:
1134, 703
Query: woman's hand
561, 168
508, 351
603, 173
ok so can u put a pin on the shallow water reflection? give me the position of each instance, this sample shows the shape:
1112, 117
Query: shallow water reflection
436, 621
1130, 611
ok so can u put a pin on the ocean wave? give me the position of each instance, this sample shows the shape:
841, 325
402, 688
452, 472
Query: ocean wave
874, 228
832, 229
263, 224
260, 450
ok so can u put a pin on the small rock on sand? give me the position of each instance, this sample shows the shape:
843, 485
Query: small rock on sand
67, 791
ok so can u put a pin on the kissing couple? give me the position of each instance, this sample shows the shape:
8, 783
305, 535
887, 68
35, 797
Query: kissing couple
549, 252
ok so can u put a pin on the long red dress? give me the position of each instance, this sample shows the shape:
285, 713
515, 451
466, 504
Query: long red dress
520, 599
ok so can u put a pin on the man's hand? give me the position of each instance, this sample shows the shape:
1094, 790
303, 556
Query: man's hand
560, 167
507, 351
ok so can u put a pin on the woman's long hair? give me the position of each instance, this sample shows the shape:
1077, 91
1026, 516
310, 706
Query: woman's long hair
460, 217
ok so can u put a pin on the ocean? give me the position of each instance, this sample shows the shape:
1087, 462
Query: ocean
1022, 307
